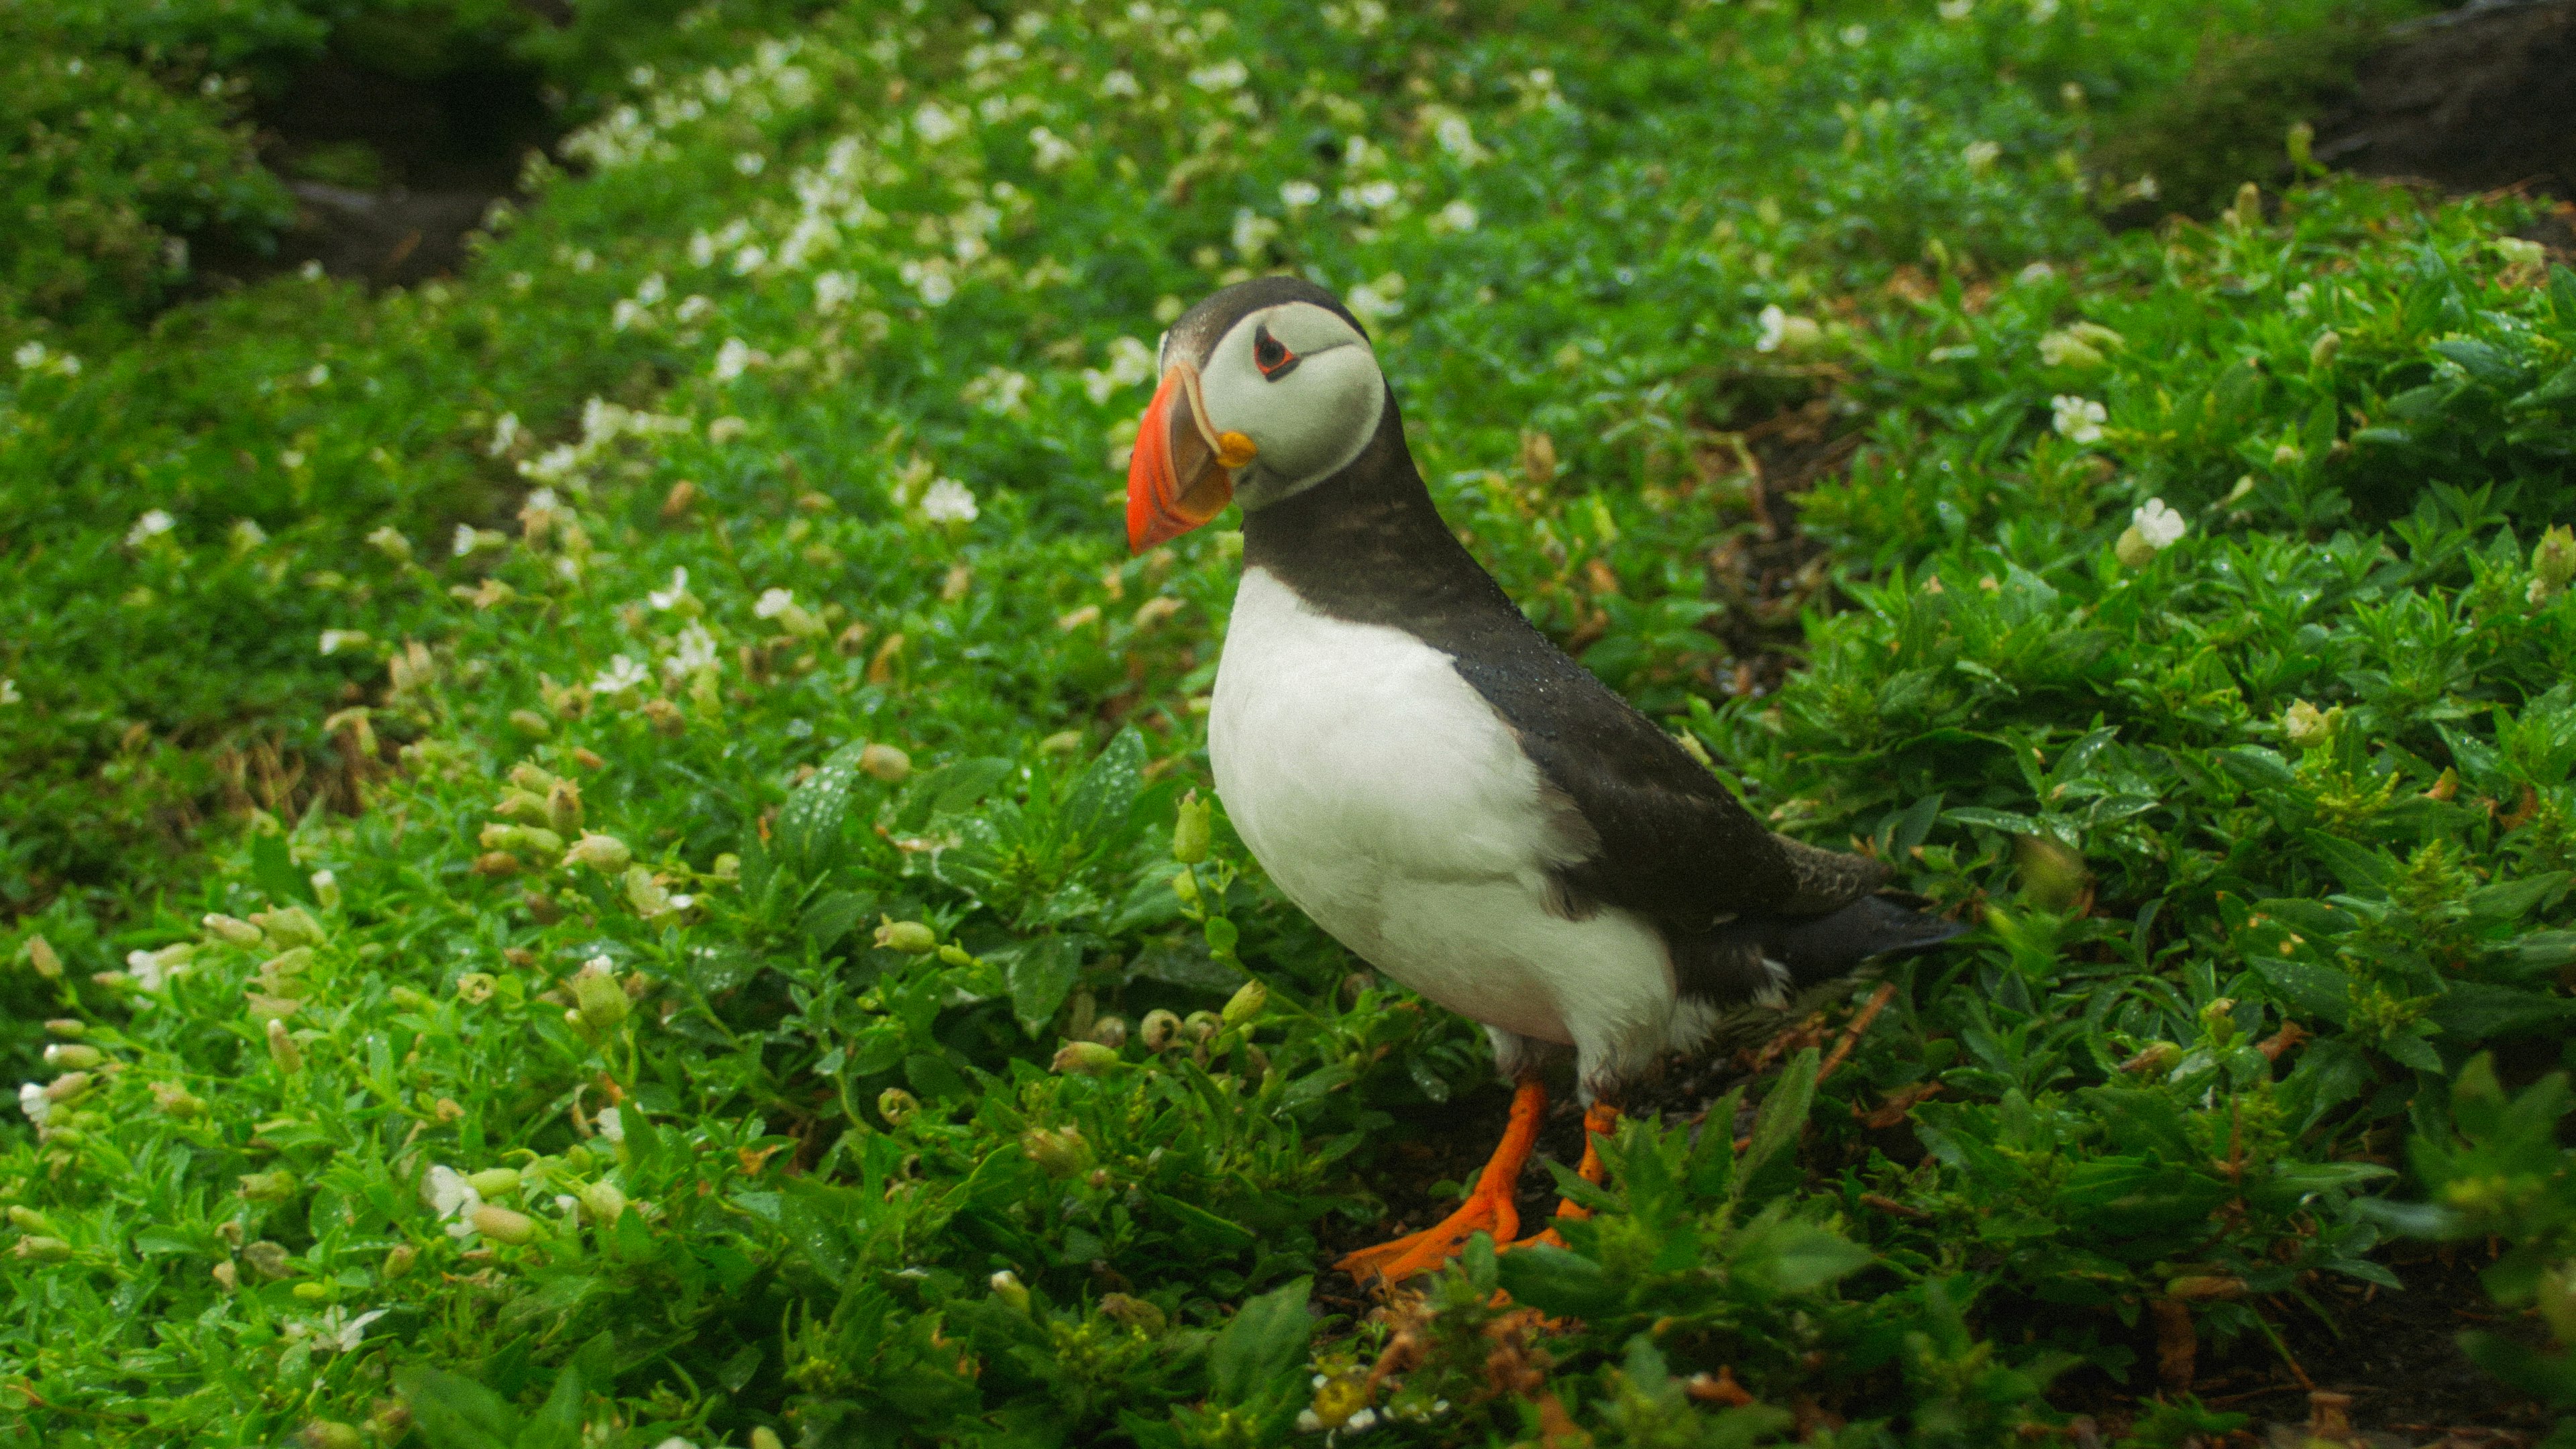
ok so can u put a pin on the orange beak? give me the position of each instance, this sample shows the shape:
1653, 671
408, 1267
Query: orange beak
1182, 471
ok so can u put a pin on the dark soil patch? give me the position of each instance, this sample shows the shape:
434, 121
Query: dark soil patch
2475, 99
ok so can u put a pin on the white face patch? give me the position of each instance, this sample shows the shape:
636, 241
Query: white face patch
1308, 416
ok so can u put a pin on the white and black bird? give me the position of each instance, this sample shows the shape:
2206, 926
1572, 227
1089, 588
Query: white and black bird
1435, 783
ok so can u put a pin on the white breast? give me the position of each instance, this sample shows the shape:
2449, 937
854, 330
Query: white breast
1393, 805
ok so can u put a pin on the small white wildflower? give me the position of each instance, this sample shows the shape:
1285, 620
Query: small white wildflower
934, 123
2158, 525
621, 675
1458, 138
997, 389
833, 290
749, 260
2078, 419
2042, 11
1252, 232
337, 1332
246, 534
1225, 75
1855, 36
154, 523
735, 358
675, 1442
651, 290
670, 598
335, 640
694, 306
1981, 155
2034, 274
317, 375
610, 1124
751, 163
727, 428
1120, 83
1376, 301
33, 1101
466, 540
692, 649
1785, 331
627, 313
948, 501
773, 603
1300, 193
9, 691
1456, 216
505, 435
29, 356
453, 1198
1371, 196
153, 969
1956, 10
1051, 149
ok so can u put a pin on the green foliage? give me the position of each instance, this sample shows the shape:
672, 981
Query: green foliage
608, 844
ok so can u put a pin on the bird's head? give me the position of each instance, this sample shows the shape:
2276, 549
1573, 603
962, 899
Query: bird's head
1268, 388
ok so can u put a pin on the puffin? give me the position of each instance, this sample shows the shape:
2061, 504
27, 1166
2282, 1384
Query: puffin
1436, 784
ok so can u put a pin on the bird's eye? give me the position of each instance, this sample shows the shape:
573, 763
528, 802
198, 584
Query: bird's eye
1271, 355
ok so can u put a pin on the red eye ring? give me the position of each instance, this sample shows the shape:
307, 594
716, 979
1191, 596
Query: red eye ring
1271, 355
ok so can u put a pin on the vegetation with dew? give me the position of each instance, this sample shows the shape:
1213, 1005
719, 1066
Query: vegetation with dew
611, 851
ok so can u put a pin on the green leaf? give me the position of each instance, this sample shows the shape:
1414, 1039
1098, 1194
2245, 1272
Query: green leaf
2305, 986
1556, 1281
807, 1222
2362, 870
2003, 820
1210, 1229
1777, 1123
272, 866
1261, 1345
2477, 1010
2484, 361
2560, 386
454, 1412
557, 1422
1040, 975
832, 916
809, 824
1101, 799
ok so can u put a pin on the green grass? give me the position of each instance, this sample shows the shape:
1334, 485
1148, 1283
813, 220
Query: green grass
381, 844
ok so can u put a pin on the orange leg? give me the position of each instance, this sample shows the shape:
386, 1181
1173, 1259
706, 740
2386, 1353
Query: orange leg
1599, 1120
1488, 1208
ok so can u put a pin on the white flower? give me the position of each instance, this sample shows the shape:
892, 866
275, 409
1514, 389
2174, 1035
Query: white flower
1120, 83
650, 290
2042, 11
773, 603
727, 428
1980, 155
151, 525
569, 1206
611, 1125
1784, 331
997, 390
29, 356
451, 1196
1370, 196
1052, 150
749, 260
627, 313
1225, 75
1300, 193
1252, 231
2158, 525
948, 501
505, 435
751, 163
935, 124
246, 534
735, 358
9, 691
675, 1442
153, 969
694, 649
466, 540
1376, 301
319, 374
670, 598
335, 640
2079, 419
1458, 138
834, 289
1957, 10
336, 1332
1855, 36
694, 306
1456, 216
621, 675
33, 1101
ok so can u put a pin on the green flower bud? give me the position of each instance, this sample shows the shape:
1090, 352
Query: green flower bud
41, 958
897, 1106
268, 1186
69, 1028
234, 930
600, 999
1248, 1001
69, 1087
1085, 1058
530, 723
27, 1220
1058, 1151
604, 1201
1198, 1026
331, 1433
43, 1249
2557, 1301
1186, 886
1158, 1030
290, 928
494, 1181
603, 853
282, 1048
326, 889
502, 1225
269, 1260
71, 1056
1136, 1313
908, 936
411, 998
2553, 559
885, 762
1109, 1031
2322, 352
398, 1261
563, 807
1008, 1288
1193, 829
2305, 725
2217, 1018
766, 1437
313, 1292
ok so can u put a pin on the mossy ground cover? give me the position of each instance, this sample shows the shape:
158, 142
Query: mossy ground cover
605, 851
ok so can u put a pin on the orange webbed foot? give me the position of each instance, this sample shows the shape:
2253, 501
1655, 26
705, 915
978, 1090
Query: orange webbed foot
1488, 1208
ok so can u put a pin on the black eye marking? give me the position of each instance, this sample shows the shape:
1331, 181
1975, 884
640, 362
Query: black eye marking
1271, 355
